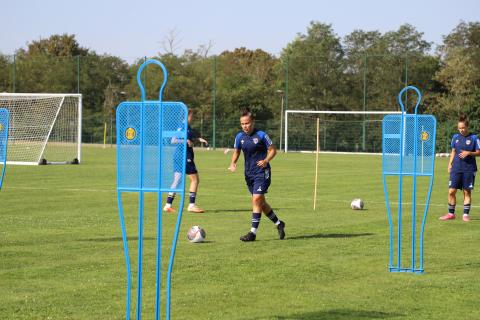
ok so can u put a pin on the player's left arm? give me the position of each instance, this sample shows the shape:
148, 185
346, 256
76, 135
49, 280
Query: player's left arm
196, 136
475, 153
271, 152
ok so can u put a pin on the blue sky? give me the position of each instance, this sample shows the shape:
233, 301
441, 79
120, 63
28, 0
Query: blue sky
132, 29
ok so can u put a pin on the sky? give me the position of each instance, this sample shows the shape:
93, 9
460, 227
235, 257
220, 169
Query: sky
133, 29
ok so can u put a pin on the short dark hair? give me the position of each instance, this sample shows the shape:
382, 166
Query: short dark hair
247, 113
463, 118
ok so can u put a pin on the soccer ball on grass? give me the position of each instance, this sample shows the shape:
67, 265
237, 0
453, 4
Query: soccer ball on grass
356, 204
196, 234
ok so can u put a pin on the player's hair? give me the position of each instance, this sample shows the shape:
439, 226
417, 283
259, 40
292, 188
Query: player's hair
463, 118
246, 113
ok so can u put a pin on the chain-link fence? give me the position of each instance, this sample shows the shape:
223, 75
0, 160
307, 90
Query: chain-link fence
218, 87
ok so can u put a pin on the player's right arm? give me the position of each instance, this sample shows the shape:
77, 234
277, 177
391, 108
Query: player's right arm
233, 163
237, 147
450, 161
452, 153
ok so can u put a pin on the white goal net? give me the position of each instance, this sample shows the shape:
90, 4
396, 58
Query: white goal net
44, 128
339, 131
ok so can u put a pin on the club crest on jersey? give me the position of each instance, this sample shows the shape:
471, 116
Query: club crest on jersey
468, 142
241, 141
255, 140
130, 133
1, 127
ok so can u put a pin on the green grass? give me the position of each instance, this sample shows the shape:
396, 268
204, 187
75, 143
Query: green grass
61, 254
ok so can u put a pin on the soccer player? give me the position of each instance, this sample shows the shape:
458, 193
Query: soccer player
462, 168
190, 170
258, 151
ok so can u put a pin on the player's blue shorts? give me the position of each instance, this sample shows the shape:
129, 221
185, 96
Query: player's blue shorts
258, 184
462, 180
190, 167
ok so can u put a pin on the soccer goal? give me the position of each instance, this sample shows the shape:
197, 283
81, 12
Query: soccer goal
338, 131
44, 128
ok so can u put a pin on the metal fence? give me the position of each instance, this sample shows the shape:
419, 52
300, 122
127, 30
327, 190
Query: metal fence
217, 87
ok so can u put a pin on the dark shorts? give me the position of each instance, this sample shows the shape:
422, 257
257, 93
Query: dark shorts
190, 168
258, 184
462, 180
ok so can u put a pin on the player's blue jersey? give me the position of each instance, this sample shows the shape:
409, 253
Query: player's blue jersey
468, 143
190, 137
255, 148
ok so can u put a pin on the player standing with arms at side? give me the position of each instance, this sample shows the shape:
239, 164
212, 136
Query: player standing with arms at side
462, 168
258, 151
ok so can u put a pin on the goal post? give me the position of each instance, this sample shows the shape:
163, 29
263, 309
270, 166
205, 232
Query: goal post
340, 131
45, 128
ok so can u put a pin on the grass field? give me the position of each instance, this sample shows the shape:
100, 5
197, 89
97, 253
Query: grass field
61, 254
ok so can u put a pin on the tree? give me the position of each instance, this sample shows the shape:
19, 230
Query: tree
64, 45
459, 79
316, 69
5, 71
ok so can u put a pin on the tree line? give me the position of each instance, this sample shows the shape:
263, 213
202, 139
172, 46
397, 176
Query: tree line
317, 70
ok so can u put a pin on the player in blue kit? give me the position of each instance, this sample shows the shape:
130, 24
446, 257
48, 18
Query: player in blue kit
258, 151
190, 170
462, 168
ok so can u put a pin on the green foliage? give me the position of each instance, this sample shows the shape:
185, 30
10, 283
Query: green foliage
316, 71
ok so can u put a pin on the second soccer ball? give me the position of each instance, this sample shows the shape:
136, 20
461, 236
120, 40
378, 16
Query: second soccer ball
196, 234
356, 204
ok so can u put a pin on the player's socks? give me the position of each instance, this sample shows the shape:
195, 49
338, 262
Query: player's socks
193, 195
451, 208
272, 216
466, 208
170, 198
255, 222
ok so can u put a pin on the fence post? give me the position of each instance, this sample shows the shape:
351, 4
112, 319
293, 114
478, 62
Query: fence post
214, 102
286, 83
78, 74
364, 100
14, 72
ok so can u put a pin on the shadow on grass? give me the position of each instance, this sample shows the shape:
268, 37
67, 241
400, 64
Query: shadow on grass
128, 239
329, 235
240, 210
227, 210
115, 239
337, 314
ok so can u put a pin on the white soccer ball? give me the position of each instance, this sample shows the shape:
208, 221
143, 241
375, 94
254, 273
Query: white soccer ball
356, 204
196, 234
